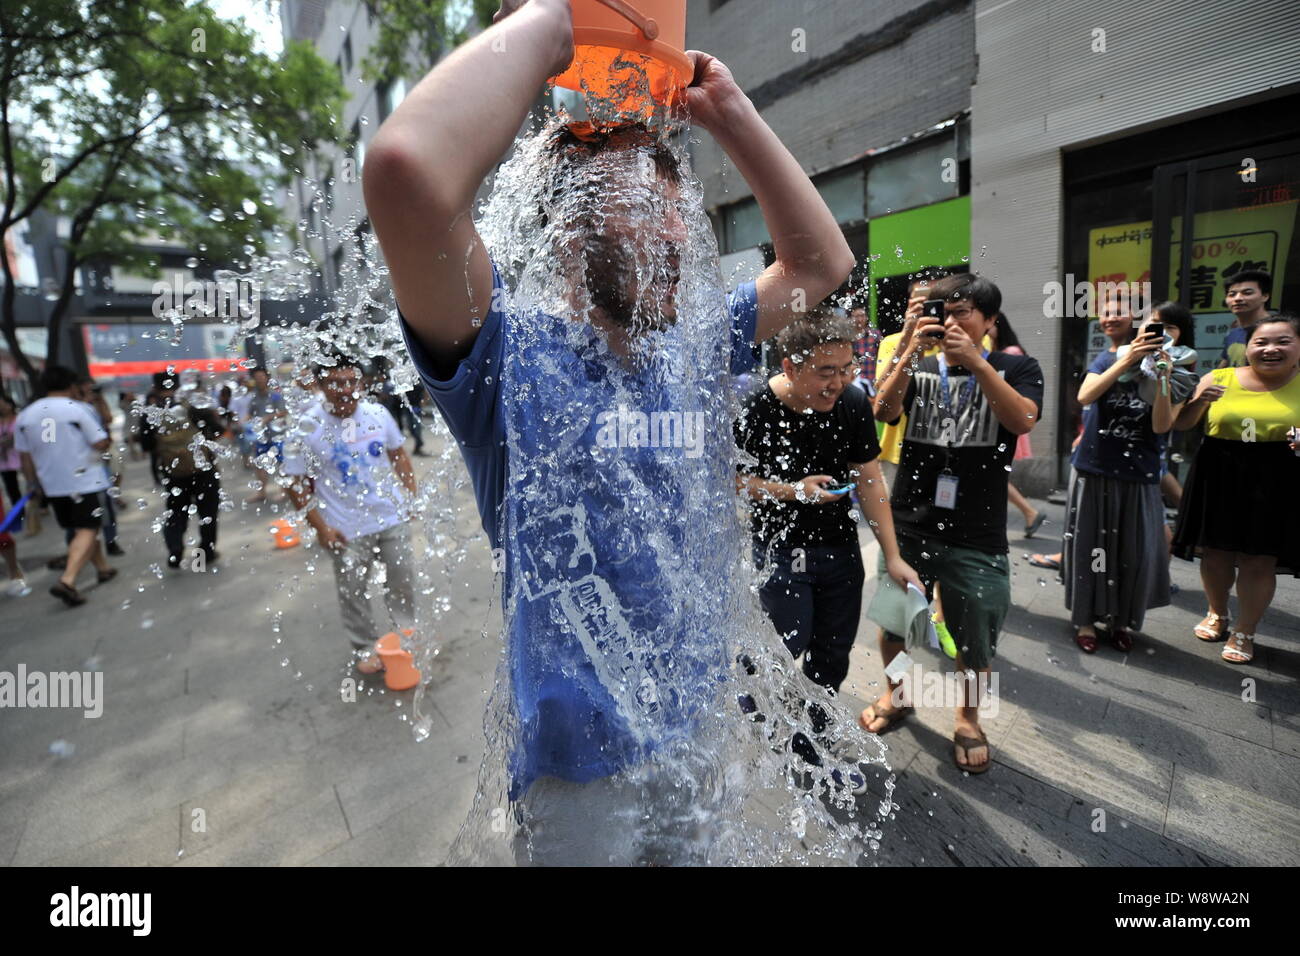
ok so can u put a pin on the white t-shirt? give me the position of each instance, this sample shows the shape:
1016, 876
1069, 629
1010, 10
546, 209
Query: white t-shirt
59, 434
239, 405
357, 490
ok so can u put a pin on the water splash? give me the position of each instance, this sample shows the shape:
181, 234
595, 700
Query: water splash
629, 579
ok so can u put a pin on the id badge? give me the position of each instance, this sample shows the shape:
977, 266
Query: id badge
945, 492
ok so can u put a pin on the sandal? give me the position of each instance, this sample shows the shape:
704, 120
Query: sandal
968, 744
107, 575
1121, 640
1236, 651
1087, 642
70, 595
1045, 561
1032, 527
368, 662
874, 713
1213, 628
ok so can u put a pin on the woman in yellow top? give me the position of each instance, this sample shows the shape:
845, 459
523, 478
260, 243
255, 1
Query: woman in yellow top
1238, 507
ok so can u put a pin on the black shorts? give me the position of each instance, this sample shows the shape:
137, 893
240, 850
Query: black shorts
79, 511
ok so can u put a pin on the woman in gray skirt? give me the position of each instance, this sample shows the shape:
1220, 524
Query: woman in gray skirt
1115, 562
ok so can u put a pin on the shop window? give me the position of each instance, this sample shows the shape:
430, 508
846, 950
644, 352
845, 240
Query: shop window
928, 173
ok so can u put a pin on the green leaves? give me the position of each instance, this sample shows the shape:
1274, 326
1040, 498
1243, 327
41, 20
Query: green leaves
138, 120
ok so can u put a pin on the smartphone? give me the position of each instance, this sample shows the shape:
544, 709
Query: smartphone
1155, 328
934, 309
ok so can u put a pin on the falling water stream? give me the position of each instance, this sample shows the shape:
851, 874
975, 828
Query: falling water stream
627, 564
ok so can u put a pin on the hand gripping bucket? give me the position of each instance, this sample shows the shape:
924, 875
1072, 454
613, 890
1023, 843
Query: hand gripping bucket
647, 32
400, 672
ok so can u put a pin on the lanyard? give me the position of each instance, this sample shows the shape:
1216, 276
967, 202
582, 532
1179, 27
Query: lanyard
967, 390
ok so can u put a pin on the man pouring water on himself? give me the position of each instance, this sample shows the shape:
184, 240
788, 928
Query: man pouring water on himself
609, 668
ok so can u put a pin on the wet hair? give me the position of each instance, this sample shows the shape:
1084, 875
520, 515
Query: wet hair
1179, 316
57, 378
969, 287
573, 147
1006, 335
575, 144
331, 360
1257, 276
818, 327
1286, 318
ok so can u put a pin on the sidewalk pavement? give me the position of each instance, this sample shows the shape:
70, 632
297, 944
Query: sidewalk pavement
224, 738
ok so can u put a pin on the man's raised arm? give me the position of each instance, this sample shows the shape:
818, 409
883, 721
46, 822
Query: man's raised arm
812, 257
428, 160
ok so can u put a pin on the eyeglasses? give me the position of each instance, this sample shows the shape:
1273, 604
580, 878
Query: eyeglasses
828, 372
961, 315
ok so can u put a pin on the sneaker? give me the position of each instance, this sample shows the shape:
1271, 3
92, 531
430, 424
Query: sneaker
18, 587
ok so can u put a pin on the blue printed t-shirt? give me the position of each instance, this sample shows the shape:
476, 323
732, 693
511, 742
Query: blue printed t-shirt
1118, 440
569, 714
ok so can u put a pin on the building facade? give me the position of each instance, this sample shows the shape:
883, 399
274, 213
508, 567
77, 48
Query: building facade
1131, 142
872, 100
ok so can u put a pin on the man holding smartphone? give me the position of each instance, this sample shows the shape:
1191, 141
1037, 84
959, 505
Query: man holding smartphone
813, 439
965, 406
891, 436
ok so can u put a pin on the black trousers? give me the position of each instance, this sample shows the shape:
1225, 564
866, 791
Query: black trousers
814, 599
203, 490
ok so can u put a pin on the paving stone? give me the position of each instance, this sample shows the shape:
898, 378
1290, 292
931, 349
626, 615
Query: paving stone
1232, 822
291, 837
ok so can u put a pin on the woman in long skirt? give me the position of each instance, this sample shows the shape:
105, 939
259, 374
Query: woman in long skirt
1114, 560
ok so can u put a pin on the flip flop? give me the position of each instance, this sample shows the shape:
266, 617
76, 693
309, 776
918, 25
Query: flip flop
1044, 561
1032, 528
968, 744
890, 717
107, 575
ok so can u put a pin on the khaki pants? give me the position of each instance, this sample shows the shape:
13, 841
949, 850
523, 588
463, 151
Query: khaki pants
353, 567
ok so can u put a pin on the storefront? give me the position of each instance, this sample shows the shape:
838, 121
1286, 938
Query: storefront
1183, 208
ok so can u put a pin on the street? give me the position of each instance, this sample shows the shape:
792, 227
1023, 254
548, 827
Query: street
225, 740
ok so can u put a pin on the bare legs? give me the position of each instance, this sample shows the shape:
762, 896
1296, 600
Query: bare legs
83, 547
1021, 504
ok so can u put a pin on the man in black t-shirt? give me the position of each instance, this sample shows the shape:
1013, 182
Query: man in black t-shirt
965, 408
813, 440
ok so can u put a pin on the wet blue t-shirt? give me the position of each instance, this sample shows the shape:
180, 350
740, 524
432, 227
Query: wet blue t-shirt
581, 586
1118, 441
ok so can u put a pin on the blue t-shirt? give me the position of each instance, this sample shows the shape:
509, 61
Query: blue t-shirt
591, 622
1234, 347
1118, 441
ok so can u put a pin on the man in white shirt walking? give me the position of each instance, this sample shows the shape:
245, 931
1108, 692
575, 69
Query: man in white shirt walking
356, 477
62, 444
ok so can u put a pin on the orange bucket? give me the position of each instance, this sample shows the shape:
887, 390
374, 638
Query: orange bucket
606, 30
286, 535
400, 672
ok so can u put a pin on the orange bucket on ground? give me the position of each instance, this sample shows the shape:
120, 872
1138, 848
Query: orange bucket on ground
400, 672
286, 535
607, 30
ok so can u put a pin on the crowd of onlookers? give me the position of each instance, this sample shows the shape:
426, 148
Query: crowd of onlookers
59, 458
932, 419
916, 433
